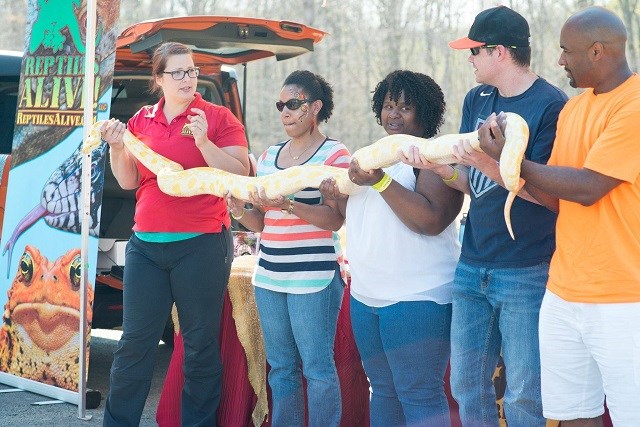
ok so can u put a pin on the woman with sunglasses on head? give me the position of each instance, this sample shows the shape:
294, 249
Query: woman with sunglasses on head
298, 285
402, 252
181, 249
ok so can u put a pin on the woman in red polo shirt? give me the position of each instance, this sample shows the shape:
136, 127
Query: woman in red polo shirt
181, 249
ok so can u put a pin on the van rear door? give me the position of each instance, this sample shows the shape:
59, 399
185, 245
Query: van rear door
223, 39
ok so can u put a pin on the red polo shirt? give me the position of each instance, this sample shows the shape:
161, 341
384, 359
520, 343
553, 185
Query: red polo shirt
158, 212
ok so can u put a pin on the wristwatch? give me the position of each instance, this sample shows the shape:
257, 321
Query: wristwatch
288, 209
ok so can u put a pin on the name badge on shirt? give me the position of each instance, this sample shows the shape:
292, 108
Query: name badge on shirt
186, 130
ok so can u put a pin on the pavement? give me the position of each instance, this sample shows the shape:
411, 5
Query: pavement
20, 409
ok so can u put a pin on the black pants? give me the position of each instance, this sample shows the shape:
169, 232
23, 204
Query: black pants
194, 274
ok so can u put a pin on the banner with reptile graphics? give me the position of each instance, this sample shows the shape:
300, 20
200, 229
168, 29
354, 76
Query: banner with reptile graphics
40, 265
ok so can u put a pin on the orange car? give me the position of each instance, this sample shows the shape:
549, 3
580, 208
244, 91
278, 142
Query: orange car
218, 43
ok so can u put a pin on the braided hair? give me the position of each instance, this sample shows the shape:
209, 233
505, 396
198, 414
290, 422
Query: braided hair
316, 88
419, 90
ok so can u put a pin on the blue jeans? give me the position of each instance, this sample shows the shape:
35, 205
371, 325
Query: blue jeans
405, 350
299, 332
494, 308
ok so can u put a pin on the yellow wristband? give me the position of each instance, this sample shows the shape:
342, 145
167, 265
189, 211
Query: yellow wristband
454, 176
239, 217
382, 185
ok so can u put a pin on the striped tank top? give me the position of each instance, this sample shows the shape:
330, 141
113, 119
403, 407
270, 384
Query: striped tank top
295, 256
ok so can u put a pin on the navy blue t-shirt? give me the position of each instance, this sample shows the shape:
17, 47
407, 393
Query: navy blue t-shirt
486, 241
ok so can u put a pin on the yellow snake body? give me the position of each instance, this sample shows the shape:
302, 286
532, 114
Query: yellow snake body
206, 180
386, 151
175, 181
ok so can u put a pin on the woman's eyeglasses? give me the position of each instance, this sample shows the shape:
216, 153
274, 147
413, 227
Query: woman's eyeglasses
292, 104
179, 74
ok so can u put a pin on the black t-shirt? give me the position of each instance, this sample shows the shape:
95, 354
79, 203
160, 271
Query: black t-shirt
486, 240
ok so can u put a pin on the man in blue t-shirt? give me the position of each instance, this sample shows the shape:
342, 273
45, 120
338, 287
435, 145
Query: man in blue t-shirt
500, 282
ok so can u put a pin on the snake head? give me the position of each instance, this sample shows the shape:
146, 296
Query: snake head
94, 139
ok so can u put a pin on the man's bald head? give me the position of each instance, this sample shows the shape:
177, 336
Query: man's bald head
598, 24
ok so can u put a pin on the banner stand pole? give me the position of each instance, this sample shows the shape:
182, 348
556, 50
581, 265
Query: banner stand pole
88, 95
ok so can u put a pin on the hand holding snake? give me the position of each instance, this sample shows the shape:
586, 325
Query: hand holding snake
112, 132
260, 198
362, 177
492, 138
417, 160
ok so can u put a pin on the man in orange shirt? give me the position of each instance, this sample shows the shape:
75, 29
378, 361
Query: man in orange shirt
590, 315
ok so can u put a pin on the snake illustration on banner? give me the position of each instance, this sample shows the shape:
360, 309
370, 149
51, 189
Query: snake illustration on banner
60, 200
175, 181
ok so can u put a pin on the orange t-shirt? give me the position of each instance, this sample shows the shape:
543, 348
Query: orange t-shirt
597, 258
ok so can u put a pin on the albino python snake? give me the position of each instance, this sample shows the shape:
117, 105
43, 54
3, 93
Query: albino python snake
175, 181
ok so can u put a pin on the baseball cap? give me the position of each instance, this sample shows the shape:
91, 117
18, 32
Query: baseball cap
496, 26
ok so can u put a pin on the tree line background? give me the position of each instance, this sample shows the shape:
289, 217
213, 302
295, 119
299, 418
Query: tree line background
366, 41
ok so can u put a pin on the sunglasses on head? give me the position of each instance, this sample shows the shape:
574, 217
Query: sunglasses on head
476, 50
292, 104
